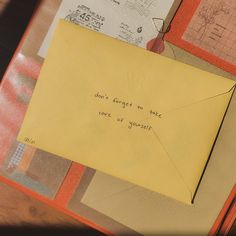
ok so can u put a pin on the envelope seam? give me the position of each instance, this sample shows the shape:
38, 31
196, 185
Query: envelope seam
150, 117
198, 101
172, 162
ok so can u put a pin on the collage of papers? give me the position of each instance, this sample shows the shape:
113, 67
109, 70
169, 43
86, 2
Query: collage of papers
110, 126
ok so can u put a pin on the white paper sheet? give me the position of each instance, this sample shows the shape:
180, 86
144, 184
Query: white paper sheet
134, 21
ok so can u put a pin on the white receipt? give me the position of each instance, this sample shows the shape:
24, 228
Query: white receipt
133, 21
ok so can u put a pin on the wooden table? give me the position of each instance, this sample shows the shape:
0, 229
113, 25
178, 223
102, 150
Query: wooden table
21, 214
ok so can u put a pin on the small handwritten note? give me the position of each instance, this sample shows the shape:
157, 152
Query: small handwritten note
29, 140
124, 104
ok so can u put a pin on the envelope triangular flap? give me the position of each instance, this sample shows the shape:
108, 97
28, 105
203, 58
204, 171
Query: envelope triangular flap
188, 135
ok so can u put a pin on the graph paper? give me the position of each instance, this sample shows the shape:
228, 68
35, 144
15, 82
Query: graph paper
213, 28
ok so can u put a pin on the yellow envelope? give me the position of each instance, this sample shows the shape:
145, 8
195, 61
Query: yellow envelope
127, 112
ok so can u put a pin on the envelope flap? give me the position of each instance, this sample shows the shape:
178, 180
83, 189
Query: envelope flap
150, 80
188, 135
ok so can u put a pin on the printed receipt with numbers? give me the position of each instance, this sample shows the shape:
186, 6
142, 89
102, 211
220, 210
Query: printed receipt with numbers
133, 21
